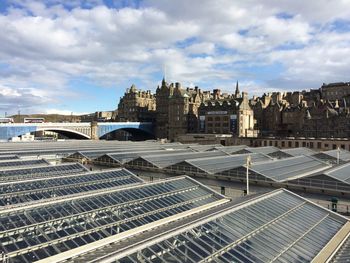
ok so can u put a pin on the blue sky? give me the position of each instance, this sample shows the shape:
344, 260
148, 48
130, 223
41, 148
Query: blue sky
80, 56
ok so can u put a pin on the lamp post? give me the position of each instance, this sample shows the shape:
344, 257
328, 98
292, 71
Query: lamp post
249, 162
338, 155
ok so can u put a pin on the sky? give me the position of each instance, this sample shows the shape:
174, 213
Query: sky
81, 55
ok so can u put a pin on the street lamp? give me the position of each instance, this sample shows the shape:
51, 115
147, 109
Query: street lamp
338, 155
248, 164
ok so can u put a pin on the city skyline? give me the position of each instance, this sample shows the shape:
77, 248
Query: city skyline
59, 58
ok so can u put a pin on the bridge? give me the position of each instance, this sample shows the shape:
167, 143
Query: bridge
83, 130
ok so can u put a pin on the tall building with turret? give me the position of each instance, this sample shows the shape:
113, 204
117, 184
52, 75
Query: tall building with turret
136, 105
176, 110
163, 93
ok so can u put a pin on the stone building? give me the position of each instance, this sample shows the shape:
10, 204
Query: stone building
137, 105
178, 112
327, 120
183, 110
319, 113
163, 93
99, 116
177, 109
292, 119
335, 91
227, 116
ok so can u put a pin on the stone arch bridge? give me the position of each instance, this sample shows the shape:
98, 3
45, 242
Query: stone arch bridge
83, 130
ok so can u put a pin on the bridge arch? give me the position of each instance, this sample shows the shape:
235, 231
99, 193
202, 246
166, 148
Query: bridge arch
66, 132
136, 134
142, 130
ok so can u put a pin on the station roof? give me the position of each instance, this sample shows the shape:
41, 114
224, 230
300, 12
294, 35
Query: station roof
8, 164
8, 157
291, 152
215, 165
24, 191
340, 173
66, 148
204, 147
343, 254
66, 226
331, 156
279, 226
263, 150
121, 158
162, 161
231, 149
298, 151
289, 168
146, 148
45, 171
74, 144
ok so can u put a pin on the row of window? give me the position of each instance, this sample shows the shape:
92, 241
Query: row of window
296, 144
218, 124
217, 118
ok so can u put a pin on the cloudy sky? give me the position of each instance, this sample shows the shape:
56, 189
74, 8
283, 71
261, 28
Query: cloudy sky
80, 56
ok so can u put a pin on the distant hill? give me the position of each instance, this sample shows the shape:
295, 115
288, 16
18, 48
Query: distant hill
48, 117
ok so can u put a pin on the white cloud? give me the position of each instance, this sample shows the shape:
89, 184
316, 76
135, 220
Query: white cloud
211, 43
201, 48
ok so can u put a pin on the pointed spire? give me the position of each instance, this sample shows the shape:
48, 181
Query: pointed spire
133, 88
237, 93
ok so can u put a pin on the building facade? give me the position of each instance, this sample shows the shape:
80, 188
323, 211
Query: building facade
163, 93
136, 105
191, 110
335, 91
229, 116
317, 113
175, 111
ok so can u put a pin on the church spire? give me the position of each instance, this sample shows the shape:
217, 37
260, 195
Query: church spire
164, 84
237, 93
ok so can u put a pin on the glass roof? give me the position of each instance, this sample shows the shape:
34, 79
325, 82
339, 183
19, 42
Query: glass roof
40, 172
231, 149
5, 164
264, 150
213, 165
8, 157
131, 155
204, 147
69, 147
341, 173
298, 151
331, 156
279, 227
39, 189
344, 154
124, 149
40, 230
162, 160
289, 168
343, 254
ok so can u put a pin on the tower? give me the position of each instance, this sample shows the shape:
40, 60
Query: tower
237, 93
163, 93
